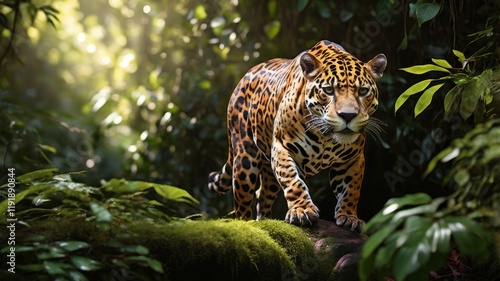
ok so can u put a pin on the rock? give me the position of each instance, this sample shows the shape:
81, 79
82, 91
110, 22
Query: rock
340, 247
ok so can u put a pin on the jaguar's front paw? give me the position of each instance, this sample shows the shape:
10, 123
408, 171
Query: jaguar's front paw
350, 222
307, 215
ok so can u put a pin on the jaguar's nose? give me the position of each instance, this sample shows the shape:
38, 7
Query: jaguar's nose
347, 115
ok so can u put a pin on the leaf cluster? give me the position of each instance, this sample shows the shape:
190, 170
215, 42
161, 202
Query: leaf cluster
475, 173
471, 94
413, 235
46, 198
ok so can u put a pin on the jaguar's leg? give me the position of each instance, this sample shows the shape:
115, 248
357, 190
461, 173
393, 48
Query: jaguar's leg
301, 209
346, 184
245, 177
267, 193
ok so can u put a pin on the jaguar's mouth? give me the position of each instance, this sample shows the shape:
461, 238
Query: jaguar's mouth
347, 131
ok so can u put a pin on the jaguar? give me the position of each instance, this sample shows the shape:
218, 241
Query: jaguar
288, 119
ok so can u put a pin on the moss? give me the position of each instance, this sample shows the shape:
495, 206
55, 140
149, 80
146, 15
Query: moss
221, 249
193, 250
295, 241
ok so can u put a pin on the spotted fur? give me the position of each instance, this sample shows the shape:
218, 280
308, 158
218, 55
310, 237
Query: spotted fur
287, 120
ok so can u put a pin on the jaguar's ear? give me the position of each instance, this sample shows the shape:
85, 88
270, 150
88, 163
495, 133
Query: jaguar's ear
310, 66
377, 65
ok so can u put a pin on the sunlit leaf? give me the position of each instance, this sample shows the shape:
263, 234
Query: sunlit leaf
471, 238
102, 214
459, 55
424, 68
442, 62
21, 195
426, 98
77, 276
175, 194
38, 175
72, 245
416, 88
85, 264
54, 268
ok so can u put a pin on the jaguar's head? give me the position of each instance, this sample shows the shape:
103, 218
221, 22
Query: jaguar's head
341, 92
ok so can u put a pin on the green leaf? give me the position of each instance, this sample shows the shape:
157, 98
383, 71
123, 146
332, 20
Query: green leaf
450, 99
124, 186
413, 256
426, 98
471, 238
55, 268
72, 245
85, 264
152, 263
102, 214
175, 194
426, 11
376, 239
442, 62
272, 29
472, 92
424, 68
38, 175
77, 276
48, 148
416, 88
459, 55
4, 205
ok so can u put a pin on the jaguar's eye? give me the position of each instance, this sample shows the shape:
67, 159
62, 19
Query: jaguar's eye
328, 90
363, 91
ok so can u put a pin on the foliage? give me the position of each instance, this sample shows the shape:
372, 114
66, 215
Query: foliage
472, 94
53, 207
131, 229
475, 173
413, 235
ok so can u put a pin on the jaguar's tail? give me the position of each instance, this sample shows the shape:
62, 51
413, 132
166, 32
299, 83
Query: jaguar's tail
221, 181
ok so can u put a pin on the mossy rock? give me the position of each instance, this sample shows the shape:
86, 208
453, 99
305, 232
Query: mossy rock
195, 250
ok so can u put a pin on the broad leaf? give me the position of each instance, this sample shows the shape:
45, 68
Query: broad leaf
425, 11
175, 194
424, 68
442, 62
416, 88
72, 245
426, 98
85, 264
459, 55
472, 92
